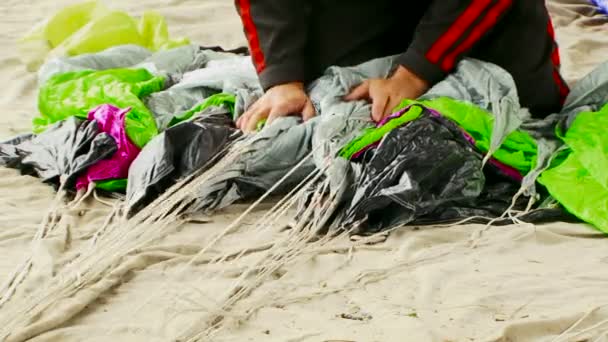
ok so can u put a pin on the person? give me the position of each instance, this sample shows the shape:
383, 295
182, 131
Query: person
293, 41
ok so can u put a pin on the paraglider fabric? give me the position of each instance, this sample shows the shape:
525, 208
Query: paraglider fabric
110, 120
61, 153
580, 182
178, 152
479, 98
92, 27
76, 93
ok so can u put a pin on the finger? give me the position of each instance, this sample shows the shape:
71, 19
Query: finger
241, 121
252, 121
390, 108
379, 106
309, 111
359, 93
277, 112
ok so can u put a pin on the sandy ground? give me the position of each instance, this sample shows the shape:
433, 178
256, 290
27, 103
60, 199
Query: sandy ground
517, 283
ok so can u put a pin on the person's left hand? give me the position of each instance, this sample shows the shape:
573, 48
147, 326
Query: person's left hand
386, 94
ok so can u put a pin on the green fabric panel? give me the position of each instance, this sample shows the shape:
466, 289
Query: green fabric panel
92, 27
77, 93
578, 191
221, 99
580, 182
519, 150
373, 135
587, 137
112, 185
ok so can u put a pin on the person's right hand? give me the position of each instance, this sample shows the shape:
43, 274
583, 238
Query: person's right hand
280, 100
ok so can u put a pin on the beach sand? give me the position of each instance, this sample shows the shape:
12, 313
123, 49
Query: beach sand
515, 283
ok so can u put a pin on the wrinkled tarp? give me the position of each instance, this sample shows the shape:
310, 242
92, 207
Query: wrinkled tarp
61, 153
178, 152
76, 93
110, 120
91, 27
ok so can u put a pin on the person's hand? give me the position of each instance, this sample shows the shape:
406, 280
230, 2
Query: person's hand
386, 94
281, 100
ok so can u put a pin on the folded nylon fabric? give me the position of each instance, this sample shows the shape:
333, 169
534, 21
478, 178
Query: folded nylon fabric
235, 75
76, 93
178, 152
479, 99
92, 27
280, 146
420, 167
578, 178
172, 63
61, 153
264, 160
110, 120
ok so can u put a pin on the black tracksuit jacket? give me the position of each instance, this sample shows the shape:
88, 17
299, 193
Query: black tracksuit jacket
295, 40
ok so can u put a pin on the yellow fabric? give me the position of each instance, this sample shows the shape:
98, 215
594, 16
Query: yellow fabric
92, 27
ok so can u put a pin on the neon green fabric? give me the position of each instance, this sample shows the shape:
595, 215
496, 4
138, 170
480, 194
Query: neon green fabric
260, 125
373, 135
580, 183
76, 93
92, 27
519, 150
112, 185
221, 99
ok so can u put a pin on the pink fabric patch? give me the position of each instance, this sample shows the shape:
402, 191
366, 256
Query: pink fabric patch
110, 120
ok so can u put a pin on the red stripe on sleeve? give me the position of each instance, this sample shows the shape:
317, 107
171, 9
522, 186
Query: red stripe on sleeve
252, 35
555, 52
484, 26
555, 58
458, 28
550, 29
561, 86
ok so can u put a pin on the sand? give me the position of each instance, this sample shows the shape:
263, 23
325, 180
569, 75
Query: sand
515, 283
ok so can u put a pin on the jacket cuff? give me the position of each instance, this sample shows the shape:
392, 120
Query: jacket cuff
294, 71
419, 65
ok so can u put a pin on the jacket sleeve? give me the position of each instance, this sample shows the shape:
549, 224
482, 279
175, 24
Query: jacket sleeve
277, 34
447, 32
